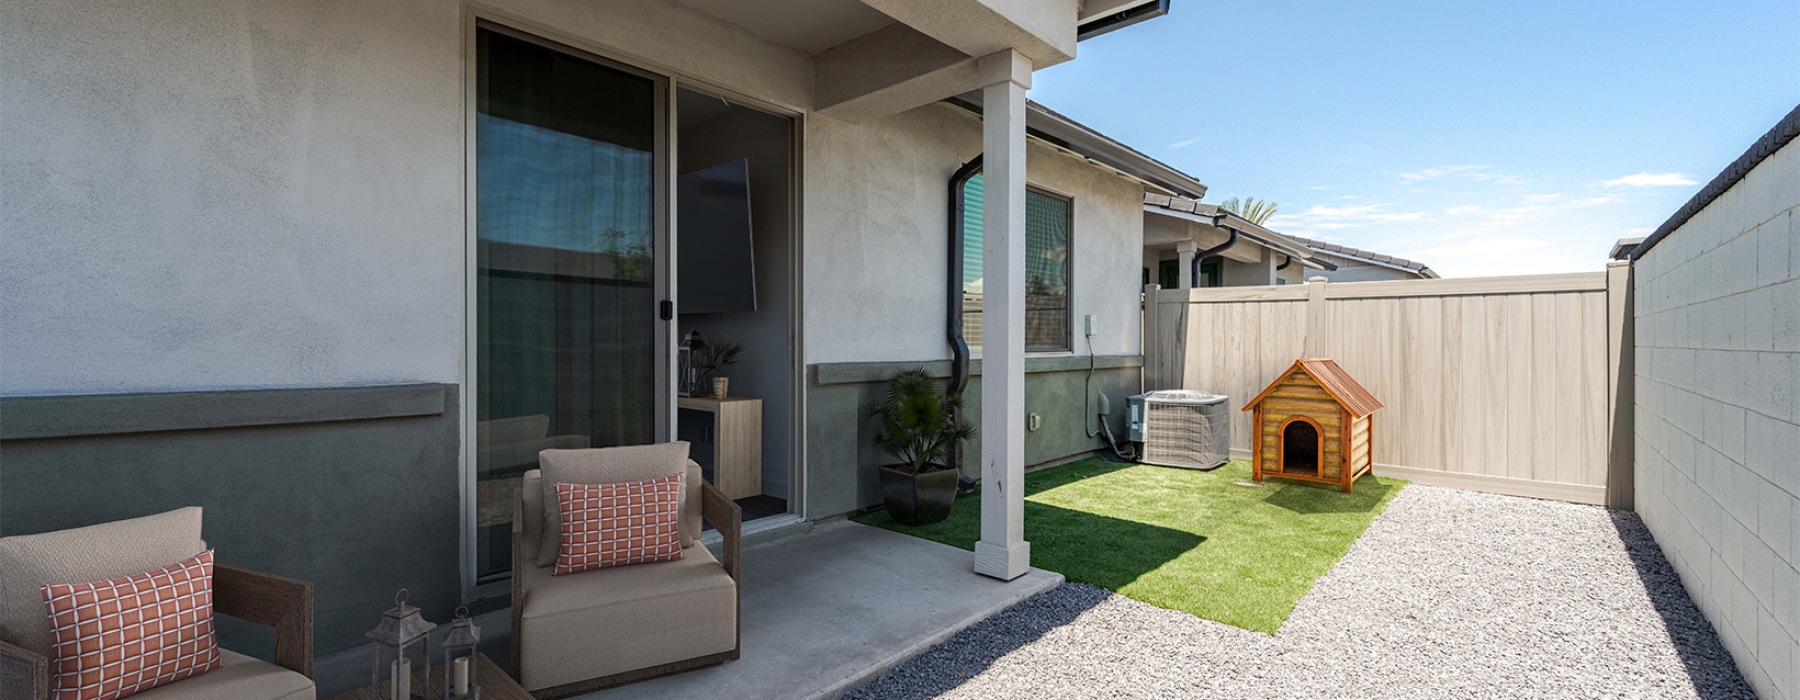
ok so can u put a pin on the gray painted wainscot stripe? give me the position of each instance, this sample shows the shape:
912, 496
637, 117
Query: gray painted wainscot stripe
39, 417
826, 373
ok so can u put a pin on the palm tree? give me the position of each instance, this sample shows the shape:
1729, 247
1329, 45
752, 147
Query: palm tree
1255, 210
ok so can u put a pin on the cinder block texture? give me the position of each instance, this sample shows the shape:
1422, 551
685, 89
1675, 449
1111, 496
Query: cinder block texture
1717, 305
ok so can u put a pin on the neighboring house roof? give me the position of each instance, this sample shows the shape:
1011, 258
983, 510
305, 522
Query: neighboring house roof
1049, 127
1785, 131
1338, 383
1211, 214
1364, 256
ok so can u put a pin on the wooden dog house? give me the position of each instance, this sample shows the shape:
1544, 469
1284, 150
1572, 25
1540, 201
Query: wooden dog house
1314, 423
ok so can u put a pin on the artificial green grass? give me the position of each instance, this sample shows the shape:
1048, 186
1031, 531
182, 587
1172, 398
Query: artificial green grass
1180, 539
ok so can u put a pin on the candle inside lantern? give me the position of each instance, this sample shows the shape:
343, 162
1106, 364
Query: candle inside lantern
402, 681
459, 675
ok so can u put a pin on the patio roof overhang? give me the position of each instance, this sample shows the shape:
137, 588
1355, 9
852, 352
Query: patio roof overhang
874, 58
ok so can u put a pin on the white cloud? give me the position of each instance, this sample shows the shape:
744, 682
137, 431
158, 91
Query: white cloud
1446, 171
1184, 143
1318, 188
1318, 218
1650, 180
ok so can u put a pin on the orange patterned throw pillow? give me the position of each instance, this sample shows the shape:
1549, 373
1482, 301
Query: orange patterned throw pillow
618, 524
132, 633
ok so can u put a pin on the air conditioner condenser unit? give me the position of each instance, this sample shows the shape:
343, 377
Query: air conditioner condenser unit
1176, 428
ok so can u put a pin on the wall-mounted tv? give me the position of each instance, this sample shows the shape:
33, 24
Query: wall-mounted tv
715, 262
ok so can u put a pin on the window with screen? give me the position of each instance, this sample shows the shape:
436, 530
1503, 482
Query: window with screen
1048, 220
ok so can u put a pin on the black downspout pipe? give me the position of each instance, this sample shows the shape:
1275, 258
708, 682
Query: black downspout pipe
1287, 260
959, 346
1194, 273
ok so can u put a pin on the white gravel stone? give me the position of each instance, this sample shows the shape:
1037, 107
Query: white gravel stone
1449, 594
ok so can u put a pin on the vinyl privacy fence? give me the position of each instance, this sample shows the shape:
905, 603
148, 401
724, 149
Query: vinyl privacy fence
1503, 384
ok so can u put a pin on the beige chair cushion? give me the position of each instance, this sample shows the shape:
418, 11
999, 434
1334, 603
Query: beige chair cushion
531, 532
606, 621
81, 555
608, 465
238, 678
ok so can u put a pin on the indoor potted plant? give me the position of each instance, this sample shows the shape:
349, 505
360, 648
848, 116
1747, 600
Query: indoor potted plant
918, 426
710, 357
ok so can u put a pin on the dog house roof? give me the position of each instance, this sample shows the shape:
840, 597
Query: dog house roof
1349, 394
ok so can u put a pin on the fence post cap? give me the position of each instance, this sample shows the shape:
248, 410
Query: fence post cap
1316, 279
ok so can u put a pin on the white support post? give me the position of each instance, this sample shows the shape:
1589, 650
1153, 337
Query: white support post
1186, 250
1003, 552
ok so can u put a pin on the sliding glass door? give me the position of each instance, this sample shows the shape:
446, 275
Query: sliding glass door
566, 166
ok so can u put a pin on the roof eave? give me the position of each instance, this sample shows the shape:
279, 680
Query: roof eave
1062, 132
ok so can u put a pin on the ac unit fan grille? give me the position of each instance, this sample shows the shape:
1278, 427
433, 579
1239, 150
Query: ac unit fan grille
1186, 435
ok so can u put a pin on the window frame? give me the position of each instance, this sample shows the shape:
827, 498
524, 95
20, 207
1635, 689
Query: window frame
957, 249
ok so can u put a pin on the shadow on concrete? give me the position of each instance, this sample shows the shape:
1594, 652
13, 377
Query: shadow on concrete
1709, 665
1300, 497
968, 653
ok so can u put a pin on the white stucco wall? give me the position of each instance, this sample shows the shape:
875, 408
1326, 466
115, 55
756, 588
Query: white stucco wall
1717, 309
204, 195
876, 238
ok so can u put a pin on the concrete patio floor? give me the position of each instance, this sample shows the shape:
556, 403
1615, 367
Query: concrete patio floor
829, 610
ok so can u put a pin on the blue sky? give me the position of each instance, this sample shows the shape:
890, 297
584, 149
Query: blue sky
1481, 138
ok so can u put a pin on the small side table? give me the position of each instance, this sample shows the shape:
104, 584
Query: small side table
737, 442
494, 683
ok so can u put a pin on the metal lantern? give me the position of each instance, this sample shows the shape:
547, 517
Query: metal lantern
459, 658
401, 644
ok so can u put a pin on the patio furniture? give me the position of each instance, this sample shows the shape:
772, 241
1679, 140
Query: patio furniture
597, 629
494, 683
736, 444
121, 548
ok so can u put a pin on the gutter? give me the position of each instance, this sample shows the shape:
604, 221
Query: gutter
1120, 20
1194, 274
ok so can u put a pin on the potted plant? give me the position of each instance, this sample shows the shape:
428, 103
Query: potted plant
710, 357
918, 426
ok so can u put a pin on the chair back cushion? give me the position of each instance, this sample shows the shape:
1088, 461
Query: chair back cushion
132, 633
607, 525
93, 553
606, 465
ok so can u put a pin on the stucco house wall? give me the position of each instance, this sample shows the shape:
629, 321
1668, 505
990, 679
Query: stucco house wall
258, 201
1717, 313
246, 203
876, 255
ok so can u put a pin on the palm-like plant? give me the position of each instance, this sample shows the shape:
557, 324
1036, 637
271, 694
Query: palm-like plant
918, 422
1254, 210
710, 357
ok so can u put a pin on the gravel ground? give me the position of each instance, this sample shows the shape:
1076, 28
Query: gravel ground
1449, 594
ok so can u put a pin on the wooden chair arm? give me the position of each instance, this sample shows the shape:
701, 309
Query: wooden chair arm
25, 668
274, 601
726, 517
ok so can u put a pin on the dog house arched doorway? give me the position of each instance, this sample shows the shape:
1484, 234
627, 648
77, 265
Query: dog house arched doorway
1302, 450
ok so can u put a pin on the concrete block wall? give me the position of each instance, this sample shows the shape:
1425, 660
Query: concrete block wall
1717, 309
